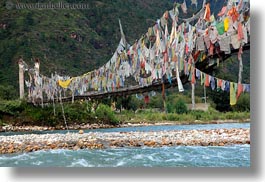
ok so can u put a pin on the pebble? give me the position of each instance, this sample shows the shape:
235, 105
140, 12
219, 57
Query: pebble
99, 140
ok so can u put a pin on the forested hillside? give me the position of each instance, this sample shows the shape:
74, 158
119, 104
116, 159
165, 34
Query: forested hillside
76, 41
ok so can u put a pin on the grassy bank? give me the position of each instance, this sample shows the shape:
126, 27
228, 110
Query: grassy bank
18, 113
189, 117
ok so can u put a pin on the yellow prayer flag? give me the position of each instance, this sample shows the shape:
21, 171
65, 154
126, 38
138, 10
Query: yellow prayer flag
65, 83
226, 24
232, 94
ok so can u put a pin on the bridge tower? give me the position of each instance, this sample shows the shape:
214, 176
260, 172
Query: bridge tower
21, 78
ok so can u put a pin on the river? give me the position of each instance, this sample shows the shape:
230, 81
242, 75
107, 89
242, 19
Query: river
176, 156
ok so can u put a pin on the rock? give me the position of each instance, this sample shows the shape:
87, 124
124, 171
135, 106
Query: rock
76, 141
150, 143
204, 143
53, 146
76, 148
80, 143
28, 149
11, 150
35, 148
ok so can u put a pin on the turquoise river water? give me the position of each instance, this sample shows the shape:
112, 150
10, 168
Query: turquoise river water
177, 156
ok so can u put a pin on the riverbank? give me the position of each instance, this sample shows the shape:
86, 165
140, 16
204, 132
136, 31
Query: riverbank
100, 140
131, 123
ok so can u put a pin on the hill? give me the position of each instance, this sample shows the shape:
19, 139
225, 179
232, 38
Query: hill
74, 41
71, 41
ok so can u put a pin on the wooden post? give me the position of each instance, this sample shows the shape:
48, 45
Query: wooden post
164, 98
38, 86
240, 65
204, 91
193, 96
21, 78
193, 81
73, 96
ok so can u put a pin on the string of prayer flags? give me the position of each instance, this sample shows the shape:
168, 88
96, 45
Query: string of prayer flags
169, 52
235, 89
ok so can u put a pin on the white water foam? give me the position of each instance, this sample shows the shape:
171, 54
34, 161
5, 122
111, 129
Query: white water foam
120, 163
80, 163
37, 163
24, 156
174, 160
153, 158
139, 156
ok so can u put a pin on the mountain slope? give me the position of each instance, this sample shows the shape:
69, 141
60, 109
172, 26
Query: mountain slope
74, 41
71, 41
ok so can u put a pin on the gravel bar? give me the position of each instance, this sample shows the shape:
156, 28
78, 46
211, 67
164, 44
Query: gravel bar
100, 140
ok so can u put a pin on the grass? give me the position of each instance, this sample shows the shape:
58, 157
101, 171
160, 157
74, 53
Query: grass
19, 113
190, 117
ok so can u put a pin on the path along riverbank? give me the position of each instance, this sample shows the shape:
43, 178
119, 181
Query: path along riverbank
100, 140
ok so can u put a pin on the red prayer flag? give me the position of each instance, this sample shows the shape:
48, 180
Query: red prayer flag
207, 13
206, 81
146, 99
193, 80
233, 13
222, 12
239, 90
240, 31
219, 83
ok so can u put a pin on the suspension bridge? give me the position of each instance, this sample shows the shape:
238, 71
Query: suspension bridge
158, 60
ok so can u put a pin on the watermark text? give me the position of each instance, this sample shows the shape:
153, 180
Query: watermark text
49, 5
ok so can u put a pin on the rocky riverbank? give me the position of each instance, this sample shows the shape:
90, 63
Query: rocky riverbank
11, 128
98, 140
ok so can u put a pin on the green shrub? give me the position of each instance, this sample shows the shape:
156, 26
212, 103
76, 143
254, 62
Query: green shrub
7, 92
106, 115
156, 102
173, 117
197, 114
243, 103
181, 107
154, 116
170, 108
12, 107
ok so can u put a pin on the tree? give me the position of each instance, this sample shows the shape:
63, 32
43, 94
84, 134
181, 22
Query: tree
221, 99
7, 92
